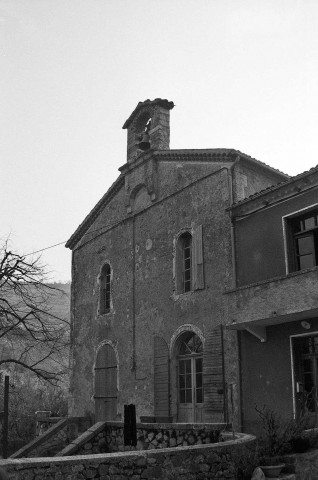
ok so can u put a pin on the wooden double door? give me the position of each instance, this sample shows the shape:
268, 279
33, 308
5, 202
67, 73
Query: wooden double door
190, 389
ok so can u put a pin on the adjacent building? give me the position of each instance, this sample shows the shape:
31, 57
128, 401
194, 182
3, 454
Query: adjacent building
274, 306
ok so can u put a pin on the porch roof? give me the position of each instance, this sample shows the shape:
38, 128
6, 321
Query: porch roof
258, 327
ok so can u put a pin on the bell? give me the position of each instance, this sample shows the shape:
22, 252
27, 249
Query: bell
144, 143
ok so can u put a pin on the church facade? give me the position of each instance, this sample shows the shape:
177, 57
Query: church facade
150, 267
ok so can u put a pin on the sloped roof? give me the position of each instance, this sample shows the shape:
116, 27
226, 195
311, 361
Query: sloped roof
158, 101
229, 153
276, 186
93, 214
212, 154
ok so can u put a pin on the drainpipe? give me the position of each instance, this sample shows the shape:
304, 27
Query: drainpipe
231, 199
133, 303
133, 366
234, 283
225, 401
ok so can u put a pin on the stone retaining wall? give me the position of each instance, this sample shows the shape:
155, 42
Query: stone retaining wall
150, 436
212, 461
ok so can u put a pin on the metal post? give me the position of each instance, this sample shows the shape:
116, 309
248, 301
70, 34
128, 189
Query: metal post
5, 418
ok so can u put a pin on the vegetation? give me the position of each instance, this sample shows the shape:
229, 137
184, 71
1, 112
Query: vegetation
34, 339
28, 395
279, 437
32, 335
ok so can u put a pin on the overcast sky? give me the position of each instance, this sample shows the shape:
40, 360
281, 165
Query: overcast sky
242, 73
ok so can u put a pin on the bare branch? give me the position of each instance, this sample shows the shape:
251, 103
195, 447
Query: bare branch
32, 335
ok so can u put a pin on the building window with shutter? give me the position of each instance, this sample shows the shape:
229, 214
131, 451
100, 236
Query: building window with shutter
189, 261
105, 293
302, 240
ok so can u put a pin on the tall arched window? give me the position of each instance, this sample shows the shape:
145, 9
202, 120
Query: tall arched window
190, 378
105, 278
184, 263
188, 261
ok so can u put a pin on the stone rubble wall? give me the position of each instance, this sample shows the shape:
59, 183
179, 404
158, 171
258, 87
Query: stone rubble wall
210, 461
151, 436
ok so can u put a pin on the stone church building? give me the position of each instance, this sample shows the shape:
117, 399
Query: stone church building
150, 265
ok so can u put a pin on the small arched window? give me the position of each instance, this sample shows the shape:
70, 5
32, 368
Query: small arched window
105, 278
184, 263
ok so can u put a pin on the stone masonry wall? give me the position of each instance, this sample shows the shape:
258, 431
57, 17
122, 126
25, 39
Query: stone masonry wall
150, 436
187, 463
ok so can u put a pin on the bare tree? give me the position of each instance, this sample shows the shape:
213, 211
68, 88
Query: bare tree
32, 337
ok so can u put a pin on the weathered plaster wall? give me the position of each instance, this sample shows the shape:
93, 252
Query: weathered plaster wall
140, 252
173, 173
292, 295
260, 239
139, 248
267, 372
249, 179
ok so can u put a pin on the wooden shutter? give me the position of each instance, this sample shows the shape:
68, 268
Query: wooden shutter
213, 374
161, 378
197, 249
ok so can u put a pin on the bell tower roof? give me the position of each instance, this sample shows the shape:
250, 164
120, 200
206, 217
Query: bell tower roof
148, 103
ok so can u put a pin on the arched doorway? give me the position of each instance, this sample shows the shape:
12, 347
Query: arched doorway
105, 384
189, 357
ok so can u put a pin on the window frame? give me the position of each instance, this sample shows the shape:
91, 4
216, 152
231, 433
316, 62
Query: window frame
183, 264
105, 279
291, 262
192, 358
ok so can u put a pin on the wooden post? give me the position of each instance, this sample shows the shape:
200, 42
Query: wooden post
5, 418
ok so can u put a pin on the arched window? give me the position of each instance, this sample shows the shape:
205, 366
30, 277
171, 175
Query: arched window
188, 261
105, 278
184, 263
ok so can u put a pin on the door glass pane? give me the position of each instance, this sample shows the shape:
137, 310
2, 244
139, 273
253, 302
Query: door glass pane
189, 396
309, 384
306, 261
198, 364
199, 395
305, 245
188, 382
182, 396
309, 222
187, 366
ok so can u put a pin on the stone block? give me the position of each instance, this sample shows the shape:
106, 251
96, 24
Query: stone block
90, 473
204, 467
103, 469
141, 462
152, 472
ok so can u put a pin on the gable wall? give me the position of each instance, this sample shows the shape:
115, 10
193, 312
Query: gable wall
250, 179
140, 251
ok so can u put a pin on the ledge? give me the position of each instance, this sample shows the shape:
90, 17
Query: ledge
270, 280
